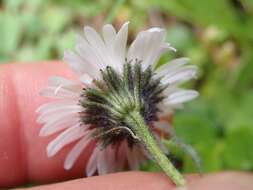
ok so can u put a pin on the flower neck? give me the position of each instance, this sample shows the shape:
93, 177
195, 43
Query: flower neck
142, 131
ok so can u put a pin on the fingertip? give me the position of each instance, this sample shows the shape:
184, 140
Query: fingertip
120, 181
11, 159
22, 151
223, 180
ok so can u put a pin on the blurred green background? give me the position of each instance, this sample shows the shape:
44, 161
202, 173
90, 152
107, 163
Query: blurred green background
216, 34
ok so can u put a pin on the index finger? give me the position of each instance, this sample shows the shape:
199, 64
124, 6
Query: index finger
22, 153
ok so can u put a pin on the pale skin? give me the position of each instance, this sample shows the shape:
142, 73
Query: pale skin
23, 157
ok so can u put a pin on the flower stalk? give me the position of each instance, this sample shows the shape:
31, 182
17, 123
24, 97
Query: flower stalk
142, 131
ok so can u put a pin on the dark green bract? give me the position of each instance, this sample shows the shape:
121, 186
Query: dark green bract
116, 96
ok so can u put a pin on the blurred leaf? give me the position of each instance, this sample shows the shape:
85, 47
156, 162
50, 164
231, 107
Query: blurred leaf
114, 10
55, 19
12, 5
85, 7
209, 154
207, 13
194, 127
65, 41
10, 33
34, 5
238, 152
150, 166
244, 77
199, 57
32, 25
27, 53
44, 48
180, 37
242, 116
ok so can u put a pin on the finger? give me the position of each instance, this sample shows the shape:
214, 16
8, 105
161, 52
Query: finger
119, 181
222, 181
22, 153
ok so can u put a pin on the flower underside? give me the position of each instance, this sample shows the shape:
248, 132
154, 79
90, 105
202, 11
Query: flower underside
108, 104
119, 106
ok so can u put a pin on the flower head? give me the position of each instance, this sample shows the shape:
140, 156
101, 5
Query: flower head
118, 99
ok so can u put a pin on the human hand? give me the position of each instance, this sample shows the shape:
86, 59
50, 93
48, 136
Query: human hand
23, 154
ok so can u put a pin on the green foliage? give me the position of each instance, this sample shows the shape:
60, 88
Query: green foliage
215, 34
239, 155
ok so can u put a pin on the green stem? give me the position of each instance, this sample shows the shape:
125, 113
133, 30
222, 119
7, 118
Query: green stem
139, 127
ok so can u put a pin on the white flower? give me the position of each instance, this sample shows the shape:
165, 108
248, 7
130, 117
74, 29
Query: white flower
94, 52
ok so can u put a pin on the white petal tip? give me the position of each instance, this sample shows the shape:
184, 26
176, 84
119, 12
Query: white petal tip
126, 23
88, 29
186, 59
49, 154
67, 166
89, 174
66, 53
42, 133
182, 96
173, 49
86, 79
50, 151
195, 94
155, 29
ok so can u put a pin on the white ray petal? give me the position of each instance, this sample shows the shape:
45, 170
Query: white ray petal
180, 75
54, 92
121, 156
91, 60
111, 158
109, 35
76, 152
164, 47
92, 163
170, 89
57, 80
58, 111
146, 46
155, 42
61, 107
54, 104
136, 49
167, 109
70, 135
155, 29
60, 124
97, 43
102, 162
181, 96
120, 46
86, 80
132, 157
172, 65
94, 38
75, 62
59, 119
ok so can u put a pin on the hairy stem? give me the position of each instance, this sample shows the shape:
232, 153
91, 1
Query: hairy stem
138, 125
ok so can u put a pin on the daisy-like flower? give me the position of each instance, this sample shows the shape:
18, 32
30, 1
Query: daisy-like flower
117, 101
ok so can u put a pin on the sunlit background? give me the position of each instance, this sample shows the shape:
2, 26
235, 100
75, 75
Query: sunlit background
216, 34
